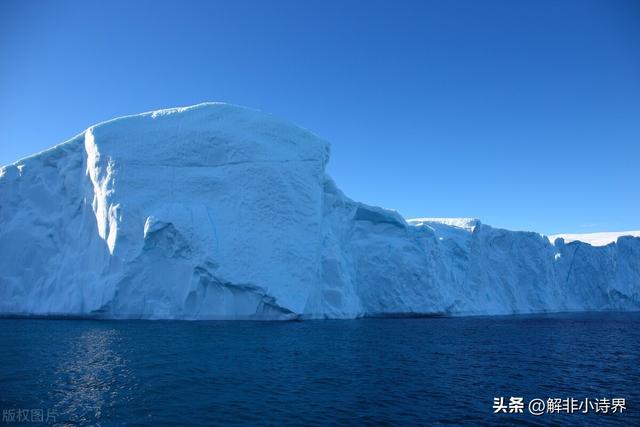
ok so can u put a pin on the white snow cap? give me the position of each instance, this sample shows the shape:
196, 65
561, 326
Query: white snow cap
468, 224
594, 239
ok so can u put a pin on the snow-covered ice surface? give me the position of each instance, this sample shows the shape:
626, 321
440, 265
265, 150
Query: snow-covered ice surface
595, 239
218, 211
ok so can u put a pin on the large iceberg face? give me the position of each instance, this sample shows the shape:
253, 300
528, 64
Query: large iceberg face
210, 211
218, 211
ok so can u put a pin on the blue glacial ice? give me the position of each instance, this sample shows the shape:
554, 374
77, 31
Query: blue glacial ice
221, 212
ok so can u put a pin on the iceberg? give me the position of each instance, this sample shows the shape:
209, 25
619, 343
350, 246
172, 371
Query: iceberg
217, 211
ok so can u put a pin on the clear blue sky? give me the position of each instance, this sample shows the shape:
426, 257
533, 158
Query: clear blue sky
525, 114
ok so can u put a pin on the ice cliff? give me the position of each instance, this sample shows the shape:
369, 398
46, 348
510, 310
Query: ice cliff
218, 211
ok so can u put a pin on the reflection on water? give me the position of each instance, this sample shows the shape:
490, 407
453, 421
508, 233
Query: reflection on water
90, 378
353, 372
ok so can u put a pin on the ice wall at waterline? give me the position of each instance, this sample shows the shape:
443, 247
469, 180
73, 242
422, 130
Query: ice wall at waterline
218, 211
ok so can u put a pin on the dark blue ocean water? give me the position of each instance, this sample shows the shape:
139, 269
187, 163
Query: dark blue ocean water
370, 371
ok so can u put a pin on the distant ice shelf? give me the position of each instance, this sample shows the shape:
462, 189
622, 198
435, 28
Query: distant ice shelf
221, 212
595, 239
